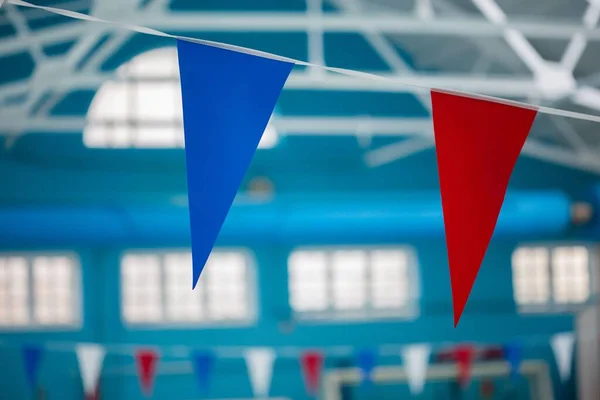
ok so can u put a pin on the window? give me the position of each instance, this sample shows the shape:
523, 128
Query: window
551, 276
353, 283
142, 106
39, 290
157, 288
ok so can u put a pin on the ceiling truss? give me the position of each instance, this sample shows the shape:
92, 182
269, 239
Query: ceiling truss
548, 82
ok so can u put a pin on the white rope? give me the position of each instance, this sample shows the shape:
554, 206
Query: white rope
343, 71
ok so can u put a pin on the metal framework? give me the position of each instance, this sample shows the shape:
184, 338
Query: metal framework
26, 105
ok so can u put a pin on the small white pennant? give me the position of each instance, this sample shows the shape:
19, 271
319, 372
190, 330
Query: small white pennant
90, 357
260, 368
562, 345
416, 360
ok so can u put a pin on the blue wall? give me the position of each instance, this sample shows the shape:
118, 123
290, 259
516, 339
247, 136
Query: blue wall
71, 178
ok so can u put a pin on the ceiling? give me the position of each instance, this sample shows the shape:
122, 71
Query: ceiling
539, 51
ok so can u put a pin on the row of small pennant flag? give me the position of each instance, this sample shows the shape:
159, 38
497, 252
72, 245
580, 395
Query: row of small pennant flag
260, 362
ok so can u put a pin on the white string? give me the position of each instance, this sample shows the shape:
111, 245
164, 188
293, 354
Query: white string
342, 71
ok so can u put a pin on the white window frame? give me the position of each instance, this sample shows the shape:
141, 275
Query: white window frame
253, 301
409, 312
551, 306
77, 286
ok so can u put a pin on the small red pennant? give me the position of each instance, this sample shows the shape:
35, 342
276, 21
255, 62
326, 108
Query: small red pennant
464, 359
312, 364
146, 365
477, 144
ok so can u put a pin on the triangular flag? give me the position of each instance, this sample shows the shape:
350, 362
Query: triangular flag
203, 362
477, 144
260, 368
228, 98
90, 357
562, 345
513, 353
366, 360
32, 356
416, 360
464, 359
146, 365
312, 364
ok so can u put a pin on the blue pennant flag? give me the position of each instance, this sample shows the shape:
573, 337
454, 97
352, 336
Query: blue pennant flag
32, 356
514, 355
228, 98
203, 363
366, 360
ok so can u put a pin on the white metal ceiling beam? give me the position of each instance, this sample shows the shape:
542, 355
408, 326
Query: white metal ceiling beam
389, 23
33, 14
554, 81
578, 42
382, 45
374, 22
424, 9
40, 37
586, 161
42, 78
515, 38
500, 86
316, 45
398, 151
348, 126
493, 49
306, 126
503, 86
23, 32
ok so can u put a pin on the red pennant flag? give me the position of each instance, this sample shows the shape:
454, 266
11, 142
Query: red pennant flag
477, 144
312, 364
146, 365
464, 359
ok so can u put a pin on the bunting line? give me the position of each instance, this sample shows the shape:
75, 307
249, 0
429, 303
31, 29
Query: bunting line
342, 71
260, 362
237, 352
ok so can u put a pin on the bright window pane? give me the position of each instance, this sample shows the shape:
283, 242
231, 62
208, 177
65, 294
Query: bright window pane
531, 275
351, 281
38, 290
150, 101
225, 282
308, 281
156, 137
112, 102
552, 276
157, 288
53, 279
14, 291
159, 63
182, 304
570, 274
142, 294
389, 279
